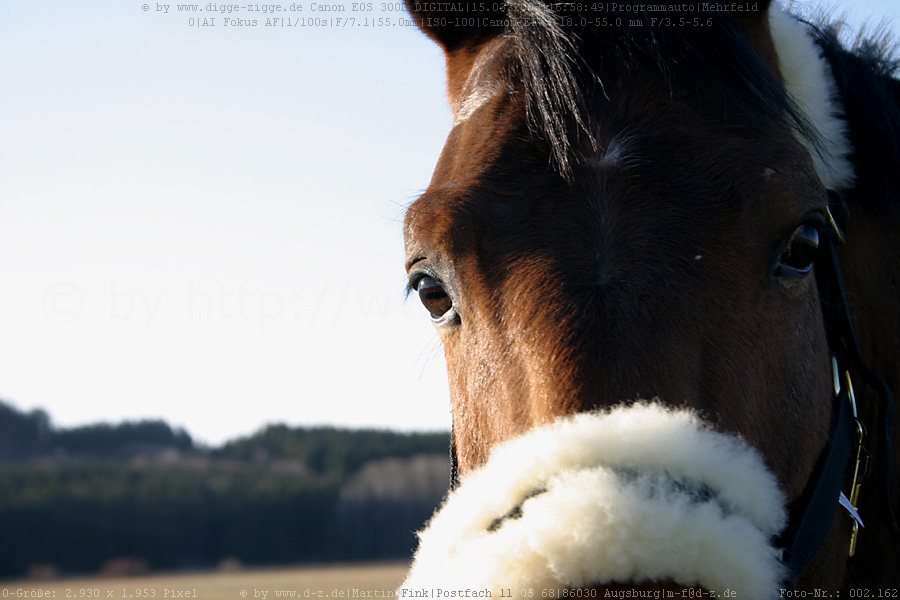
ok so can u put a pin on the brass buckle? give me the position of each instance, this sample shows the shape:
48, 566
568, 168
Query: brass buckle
860, 470
834, 227
862, 464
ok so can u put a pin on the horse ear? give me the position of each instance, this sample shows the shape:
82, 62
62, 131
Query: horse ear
754, 14
755, 22
452, 28
760, 7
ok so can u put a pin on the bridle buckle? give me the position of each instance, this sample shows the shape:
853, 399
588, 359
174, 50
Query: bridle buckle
838, 234
863, 461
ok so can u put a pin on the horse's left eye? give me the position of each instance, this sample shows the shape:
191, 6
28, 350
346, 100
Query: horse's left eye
434, 297
799, 253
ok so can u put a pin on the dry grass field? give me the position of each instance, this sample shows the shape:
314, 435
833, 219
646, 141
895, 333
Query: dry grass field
347, 581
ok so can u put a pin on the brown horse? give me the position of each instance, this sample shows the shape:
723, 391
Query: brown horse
642, 217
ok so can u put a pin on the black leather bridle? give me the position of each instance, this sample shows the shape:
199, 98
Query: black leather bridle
812, 515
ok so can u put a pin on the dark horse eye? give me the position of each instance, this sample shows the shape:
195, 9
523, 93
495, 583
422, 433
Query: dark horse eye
434, 297
798, 256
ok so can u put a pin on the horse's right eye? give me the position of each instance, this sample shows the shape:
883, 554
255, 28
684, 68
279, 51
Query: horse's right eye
798, 255
434, 297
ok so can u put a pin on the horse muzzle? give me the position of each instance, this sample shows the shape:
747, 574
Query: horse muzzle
636, 494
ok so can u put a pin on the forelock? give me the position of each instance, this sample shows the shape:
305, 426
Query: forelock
545, 62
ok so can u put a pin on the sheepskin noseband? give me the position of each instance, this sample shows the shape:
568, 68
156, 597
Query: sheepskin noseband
633, 494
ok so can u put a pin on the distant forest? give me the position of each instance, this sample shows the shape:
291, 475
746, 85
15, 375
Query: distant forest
140, 496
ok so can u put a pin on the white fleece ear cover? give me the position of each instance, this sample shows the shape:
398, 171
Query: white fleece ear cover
633, 494
810, 83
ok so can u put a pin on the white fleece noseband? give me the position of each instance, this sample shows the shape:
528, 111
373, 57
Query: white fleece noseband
638, 493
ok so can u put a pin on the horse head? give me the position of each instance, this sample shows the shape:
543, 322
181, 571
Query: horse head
625, 224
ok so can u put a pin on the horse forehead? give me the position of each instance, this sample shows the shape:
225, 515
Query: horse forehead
617, 215
469, 215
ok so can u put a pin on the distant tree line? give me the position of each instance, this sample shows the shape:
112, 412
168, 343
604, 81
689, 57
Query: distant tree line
330, 450
78, 498
31, 435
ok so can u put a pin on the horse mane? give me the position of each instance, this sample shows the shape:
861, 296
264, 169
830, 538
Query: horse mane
865, 75
551, 67
545, 67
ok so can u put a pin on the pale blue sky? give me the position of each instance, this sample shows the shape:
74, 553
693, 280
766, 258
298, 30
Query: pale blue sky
203, 224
